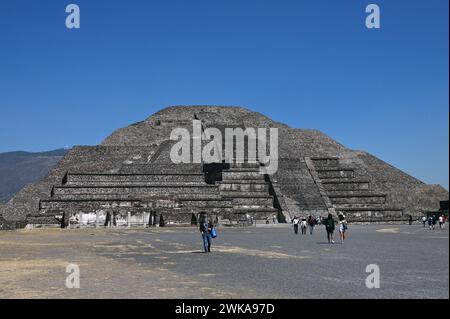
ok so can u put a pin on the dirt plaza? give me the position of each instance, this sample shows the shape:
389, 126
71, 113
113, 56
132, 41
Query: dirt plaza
261, 262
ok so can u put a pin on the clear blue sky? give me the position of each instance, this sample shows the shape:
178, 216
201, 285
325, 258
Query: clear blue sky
309, 64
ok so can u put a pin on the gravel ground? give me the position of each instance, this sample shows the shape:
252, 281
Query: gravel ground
261, 262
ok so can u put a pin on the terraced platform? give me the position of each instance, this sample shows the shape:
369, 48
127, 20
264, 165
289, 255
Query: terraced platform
176, 193
130, 179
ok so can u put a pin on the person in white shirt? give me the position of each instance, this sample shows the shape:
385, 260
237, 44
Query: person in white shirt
441, 222
303, 225
424, 221
295, 221
342, 227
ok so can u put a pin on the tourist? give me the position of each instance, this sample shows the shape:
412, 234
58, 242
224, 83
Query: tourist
329, 226
430, 222
342, 227
441, 222
434, 221
311, 223
205, 228
424, 221
295, 221
303, 225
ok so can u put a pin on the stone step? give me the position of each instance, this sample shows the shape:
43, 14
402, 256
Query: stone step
244, 194
357, 205
244, 181
339, 167
253, 201
343, 180
154, 168
95, 202
135, 184
357, 199
213, 203
345, 185
242, 169
356, 192
241, 209
198, 196
92, 204
135, 190
255, 213
227, 175
112, 197
91, 179
54, 204
373, 208
244, 165
241, 187
336, 173
98, 197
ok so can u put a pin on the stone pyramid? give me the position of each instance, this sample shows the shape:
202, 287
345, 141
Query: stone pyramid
130, 179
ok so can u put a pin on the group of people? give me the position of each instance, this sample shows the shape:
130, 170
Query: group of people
208, 232
304, 224
329, 223
432, 221
330, 227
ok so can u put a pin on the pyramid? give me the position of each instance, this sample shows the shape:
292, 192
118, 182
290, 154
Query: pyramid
130, 179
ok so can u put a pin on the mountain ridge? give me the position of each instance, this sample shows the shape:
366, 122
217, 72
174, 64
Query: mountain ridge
20, 168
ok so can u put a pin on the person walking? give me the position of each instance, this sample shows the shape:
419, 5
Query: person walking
303, 225
441, 222
295, 221
329, 226
430, 222
342, 227
311, 222
410, 220
205, 228
319, 220
434, 221
424, 221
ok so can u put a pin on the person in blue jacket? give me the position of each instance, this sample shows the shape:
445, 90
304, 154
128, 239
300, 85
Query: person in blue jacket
205, 228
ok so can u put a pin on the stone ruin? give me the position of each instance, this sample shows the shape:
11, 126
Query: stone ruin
130, 180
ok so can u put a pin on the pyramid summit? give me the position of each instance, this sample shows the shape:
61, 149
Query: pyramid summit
130, 179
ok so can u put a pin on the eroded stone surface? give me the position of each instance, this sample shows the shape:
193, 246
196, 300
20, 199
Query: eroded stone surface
131, 172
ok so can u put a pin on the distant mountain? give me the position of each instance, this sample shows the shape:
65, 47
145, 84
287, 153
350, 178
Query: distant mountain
18, 169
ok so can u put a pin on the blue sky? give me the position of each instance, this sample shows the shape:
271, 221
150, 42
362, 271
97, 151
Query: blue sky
309, 64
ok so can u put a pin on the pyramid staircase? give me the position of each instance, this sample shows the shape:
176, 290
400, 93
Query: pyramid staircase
347, 189
248, 191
